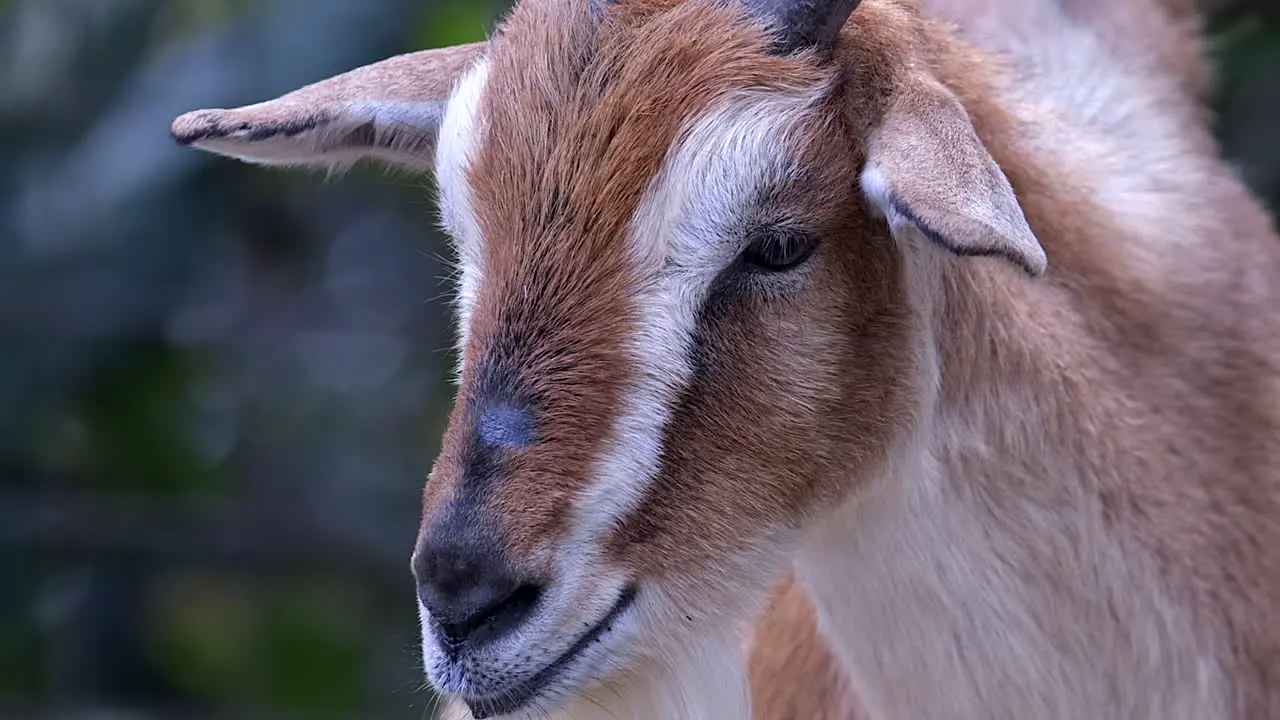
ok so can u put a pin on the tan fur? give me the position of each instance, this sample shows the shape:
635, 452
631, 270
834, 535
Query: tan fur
1146, 439
577, 149
335, 121
793, 674
1004, 496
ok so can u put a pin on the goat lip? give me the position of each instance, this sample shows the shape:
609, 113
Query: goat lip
515, 698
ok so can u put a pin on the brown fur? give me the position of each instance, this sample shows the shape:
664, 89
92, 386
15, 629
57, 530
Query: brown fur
1170, 379
1163, 384
1105, 438
793, 674
314, 125
577, 134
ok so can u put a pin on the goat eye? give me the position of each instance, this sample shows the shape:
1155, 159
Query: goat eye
777, 251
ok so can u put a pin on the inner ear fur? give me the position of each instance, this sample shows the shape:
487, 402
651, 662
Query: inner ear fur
389, 110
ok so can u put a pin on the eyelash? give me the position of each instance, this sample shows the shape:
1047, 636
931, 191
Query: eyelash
777, 251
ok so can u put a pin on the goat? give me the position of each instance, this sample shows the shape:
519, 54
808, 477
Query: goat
941, 322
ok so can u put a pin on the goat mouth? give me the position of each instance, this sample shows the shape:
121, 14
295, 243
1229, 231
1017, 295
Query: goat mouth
515, 698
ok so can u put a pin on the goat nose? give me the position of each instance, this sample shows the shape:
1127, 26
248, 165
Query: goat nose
472, 596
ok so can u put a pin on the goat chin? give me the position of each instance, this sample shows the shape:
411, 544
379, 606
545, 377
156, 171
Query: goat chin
706, 680
1019, 405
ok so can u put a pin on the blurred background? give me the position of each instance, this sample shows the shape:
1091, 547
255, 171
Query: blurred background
221, 386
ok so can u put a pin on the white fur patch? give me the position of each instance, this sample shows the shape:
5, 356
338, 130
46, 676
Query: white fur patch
1100, 119
924, 572
876, 189
683, 235
703, 678
459, 135
681, 238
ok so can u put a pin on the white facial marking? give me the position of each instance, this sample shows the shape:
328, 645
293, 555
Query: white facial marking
454, 148
686, 230
876, 189
458, 138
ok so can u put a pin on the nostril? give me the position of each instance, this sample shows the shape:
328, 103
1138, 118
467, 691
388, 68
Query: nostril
492, 621
470, 592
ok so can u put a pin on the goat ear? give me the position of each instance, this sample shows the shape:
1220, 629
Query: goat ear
927, 170
389, 110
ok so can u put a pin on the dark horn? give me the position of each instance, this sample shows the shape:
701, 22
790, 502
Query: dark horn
805, 23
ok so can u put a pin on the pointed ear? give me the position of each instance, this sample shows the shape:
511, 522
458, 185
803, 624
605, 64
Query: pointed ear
928, 171
389, 110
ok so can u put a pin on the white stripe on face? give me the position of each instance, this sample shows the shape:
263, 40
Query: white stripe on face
458, 138
686, 231
683, 234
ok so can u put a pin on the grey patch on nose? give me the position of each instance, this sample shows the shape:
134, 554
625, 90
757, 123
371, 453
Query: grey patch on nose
505, 426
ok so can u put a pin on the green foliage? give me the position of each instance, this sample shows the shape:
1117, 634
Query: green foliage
134, 421
451, 24
295, 648
99, 392
202, 633
1240, 46
310, 654
21, 653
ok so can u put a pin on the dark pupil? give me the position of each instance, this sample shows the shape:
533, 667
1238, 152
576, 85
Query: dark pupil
777, 251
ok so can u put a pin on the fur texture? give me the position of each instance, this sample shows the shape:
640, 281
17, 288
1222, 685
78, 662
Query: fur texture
1014, 421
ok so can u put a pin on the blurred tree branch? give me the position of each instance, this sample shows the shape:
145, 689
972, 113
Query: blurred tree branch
171, 532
